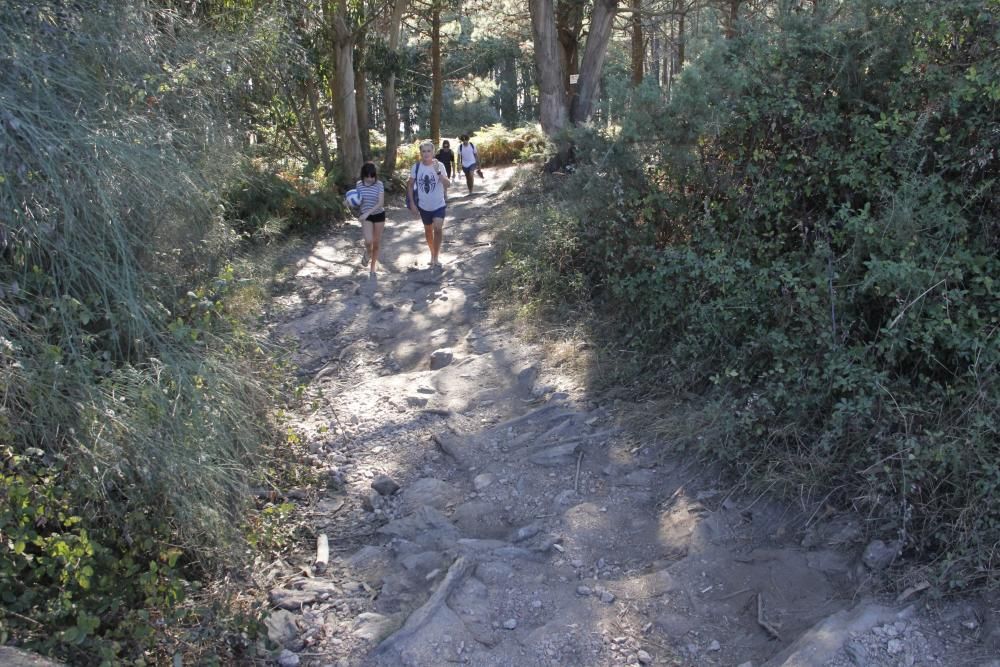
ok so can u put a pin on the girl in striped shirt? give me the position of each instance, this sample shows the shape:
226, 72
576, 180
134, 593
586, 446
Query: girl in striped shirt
372, 215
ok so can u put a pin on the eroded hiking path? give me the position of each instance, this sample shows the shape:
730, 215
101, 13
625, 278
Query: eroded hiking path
483, 509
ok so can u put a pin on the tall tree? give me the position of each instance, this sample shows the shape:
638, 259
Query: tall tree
601, 22
342, 90
553, 110
361, 87
638, 45
437, 80
389, 93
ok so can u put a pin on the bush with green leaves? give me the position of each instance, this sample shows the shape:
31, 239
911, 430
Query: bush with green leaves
135, 400
806, 233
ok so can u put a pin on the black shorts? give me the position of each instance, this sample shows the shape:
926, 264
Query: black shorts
377, 217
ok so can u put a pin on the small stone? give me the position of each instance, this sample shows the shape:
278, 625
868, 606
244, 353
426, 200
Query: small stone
441, 358
714, 646
536, 604
644, 657
288, 659
576, 562
385, 485
857, 652
510, 623
607, 597
480, 482
878, 555
894, 647
748, 663
582, 590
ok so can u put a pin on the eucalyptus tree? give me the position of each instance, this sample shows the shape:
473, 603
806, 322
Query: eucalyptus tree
555, 55
393, 27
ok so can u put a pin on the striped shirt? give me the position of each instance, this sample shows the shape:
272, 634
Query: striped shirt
369, 196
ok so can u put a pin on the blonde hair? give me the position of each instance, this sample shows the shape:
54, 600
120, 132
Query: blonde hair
427, 144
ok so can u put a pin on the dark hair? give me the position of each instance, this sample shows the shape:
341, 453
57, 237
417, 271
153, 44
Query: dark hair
445, 144
368, 169
464, 137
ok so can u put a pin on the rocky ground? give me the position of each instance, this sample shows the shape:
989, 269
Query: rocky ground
485, 508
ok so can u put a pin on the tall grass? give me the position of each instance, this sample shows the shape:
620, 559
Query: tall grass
127, 383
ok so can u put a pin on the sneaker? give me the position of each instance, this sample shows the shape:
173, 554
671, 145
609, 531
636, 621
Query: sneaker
371, 275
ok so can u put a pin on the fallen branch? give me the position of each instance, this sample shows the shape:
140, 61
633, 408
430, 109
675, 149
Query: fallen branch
422, 616
762, 622
576, 482
322, 553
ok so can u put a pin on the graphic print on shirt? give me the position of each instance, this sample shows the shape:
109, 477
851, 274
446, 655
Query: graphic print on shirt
427, 183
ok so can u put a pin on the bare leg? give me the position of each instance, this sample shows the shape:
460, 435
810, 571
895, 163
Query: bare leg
470, 178
429, 237
438, 237
368, 233
377, 228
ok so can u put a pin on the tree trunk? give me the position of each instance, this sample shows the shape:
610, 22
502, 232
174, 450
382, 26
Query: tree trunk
508, 91
437, 84
389, 94
732, 15
638, 46
553, 113
601, 22
680, 42
569, 25
345, 110
655, 57
317, 119
361, 101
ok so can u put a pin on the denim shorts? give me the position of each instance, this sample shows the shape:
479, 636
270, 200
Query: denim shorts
428, 216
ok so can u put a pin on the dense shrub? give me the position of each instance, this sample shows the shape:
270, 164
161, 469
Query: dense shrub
807, 233
265, 204
133, 404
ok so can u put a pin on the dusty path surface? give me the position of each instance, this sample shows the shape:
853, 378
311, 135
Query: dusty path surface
483, 508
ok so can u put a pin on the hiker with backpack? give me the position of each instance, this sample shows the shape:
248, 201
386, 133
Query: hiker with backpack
446, 157
425, 194
469, 158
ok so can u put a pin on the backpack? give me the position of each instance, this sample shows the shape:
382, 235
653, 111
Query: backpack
416, 185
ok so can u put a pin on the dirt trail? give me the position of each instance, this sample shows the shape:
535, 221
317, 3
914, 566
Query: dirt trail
484, 509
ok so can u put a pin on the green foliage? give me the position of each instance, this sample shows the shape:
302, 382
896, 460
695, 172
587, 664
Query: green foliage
264, 205
135, 399
495, 144
498, 145
806, 233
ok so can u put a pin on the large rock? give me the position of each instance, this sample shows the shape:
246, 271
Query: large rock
820, 644
385, 485
481, 519
429, 492
375, 627
281, 628
426, 527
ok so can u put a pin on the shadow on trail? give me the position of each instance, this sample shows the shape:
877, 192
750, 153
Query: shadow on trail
482, 515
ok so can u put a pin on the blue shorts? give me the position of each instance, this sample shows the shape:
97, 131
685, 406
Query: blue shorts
471, 167
428, 216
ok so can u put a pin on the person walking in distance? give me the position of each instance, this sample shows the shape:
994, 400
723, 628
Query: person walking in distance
372, 215
446, 157
425, 190
470, 160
